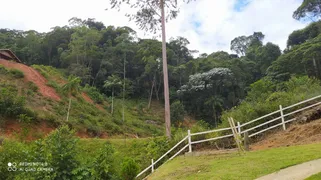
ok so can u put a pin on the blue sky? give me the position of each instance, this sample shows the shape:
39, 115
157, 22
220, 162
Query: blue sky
240, 4
209, 25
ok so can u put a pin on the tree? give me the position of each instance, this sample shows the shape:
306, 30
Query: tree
206, 94
112, 83
241, 44
71, 87
148, 18
308, 9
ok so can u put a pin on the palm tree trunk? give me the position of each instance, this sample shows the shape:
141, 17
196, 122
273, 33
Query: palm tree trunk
166, 89
69, 108
112, 101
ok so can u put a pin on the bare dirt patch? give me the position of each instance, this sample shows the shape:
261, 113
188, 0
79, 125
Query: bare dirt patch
296, 134
33, 76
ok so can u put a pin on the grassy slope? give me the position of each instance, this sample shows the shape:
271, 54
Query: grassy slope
84, 116
315, 177
234, 166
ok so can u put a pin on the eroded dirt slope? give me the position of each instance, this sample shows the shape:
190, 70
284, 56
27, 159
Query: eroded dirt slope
296, 134
33, 76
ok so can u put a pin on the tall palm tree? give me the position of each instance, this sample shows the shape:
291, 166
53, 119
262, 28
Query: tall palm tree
112, 82
71, 87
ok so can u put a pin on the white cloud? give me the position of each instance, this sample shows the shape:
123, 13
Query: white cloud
219, 22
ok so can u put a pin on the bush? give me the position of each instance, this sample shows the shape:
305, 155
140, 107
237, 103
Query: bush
157, 147
59, 151
103, 165
129, 169
94, 94
11, 105
16, 73
177, 112
3, 70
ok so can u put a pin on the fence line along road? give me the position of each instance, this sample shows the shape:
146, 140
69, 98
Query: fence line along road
239, 126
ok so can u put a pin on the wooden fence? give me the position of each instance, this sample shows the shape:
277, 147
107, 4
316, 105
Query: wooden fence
253, 129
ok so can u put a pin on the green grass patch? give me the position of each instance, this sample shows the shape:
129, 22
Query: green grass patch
234, 166
314, 177
16, 73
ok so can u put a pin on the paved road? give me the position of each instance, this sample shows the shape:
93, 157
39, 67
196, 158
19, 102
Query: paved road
297, 172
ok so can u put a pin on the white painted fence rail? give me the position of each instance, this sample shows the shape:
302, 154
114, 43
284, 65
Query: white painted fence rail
239, 127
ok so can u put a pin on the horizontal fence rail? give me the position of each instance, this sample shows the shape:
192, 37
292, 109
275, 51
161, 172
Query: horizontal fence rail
259, 128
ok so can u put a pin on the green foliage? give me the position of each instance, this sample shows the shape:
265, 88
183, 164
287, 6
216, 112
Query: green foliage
33, 87
177, 112
11, 105
103, 167
265, 96
3, 70
12, 151
94, 94
206, 94
129, 169
59, 151
16, 73
157, 147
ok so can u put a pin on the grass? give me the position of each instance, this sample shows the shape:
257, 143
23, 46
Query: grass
234, 166
315, 177
129, 148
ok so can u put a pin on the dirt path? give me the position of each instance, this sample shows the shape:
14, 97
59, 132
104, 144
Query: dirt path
297, 172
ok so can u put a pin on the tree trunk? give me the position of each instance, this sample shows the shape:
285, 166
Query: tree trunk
166, 89
151, 93
156, 90
112, 101
315, 68
69, 108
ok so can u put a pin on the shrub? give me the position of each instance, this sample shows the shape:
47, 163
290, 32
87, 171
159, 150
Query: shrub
3, 70
129, 169
59, 151
103, 165
16, 73
157, 147
13, 152
177, 112
94, 94
11, 105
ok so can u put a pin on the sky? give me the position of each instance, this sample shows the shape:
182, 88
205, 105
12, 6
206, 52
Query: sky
209, 25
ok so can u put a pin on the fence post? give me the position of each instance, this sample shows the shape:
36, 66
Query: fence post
282, 117
189, 141
239, 127
152, 165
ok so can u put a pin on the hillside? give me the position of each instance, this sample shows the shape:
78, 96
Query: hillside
296, 134
39, 88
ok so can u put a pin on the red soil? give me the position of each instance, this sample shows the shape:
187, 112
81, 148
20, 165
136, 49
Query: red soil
87, 98
33, 76
35, 131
